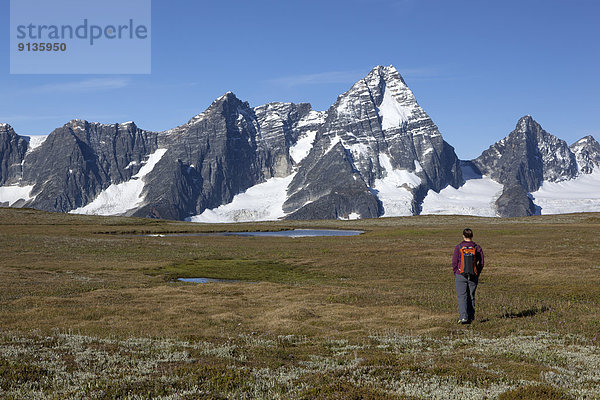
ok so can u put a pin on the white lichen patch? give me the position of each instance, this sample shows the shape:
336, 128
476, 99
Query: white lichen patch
66, 365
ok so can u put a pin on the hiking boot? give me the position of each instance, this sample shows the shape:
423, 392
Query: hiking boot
464, 321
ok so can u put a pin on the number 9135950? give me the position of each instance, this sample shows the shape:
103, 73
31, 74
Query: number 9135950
42, 47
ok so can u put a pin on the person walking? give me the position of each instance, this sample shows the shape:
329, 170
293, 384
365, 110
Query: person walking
467, 263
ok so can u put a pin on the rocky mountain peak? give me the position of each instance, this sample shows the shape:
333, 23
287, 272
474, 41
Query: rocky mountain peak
377, 119
528, 156
12, 151
374, 152
388, 74
587, 153
127, 125
77, 123
523, 160
223, 104
527, 124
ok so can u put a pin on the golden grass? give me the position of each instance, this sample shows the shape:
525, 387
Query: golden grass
94, 276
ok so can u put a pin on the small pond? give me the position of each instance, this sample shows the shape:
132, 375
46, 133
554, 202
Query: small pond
205, 280
294, 233
299, 233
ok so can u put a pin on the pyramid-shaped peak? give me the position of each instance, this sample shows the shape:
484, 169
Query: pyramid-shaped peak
587, 152
229, 95
225, 101
528, 124
388, 74
589, 139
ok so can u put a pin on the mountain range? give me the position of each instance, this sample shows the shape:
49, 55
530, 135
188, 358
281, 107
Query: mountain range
375, 152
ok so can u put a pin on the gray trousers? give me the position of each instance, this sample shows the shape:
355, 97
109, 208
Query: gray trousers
465, 291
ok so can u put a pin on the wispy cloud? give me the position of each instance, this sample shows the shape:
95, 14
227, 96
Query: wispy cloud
23, 117
353, 76
317, 79
86, 85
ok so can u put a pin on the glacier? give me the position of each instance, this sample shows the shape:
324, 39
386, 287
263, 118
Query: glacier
125, 196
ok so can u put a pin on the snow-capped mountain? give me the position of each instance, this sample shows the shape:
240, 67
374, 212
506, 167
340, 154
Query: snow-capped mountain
587, 154
393, 151
530, 160
528, 156
375, 152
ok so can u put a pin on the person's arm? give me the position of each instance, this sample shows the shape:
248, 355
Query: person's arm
480, 251
455, 260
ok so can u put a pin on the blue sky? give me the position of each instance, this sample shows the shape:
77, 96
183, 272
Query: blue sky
476, 67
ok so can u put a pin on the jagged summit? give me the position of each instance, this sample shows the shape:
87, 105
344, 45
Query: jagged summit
78, 123
527, 124
391, 141
528, 156
374, 152
217, 106
587, 153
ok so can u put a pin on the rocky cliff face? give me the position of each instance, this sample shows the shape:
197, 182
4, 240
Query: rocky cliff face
587, 154
529, 156
80, 159
374, 152
515, 202
383, 130
12, 151
222, 152
331, 189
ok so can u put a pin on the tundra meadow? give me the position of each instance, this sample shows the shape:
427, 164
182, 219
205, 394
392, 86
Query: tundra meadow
90, 307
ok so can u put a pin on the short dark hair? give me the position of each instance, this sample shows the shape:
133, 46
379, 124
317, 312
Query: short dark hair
468, 233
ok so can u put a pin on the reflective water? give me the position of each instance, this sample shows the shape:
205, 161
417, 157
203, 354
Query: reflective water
204, 280
294, 233
299, 233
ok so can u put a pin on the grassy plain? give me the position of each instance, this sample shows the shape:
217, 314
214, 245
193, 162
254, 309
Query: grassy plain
89, 309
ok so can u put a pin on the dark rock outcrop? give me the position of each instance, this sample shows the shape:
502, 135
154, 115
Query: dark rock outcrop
528, 156
80, 159
515, 202
12, 151
332, 189
227, 149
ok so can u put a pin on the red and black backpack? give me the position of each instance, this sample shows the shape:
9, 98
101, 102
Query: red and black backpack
468, 260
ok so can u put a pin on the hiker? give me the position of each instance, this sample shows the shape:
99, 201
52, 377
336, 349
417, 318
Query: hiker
467, 263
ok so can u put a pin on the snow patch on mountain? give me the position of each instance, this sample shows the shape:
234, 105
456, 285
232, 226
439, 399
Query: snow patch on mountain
262, 202
120, 198
35, 141
313, 118
394, 190
581, 194
303, 145
392, 113
12, 194
353, 216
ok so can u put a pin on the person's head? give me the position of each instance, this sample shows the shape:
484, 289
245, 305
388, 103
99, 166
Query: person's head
467, 234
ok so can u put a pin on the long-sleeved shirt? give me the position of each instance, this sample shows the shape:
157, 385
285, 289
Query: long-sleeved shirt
456, 256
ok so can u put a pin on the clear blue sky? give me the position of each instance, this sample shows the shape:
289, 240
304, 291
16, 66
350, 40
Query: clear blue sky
475, 66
